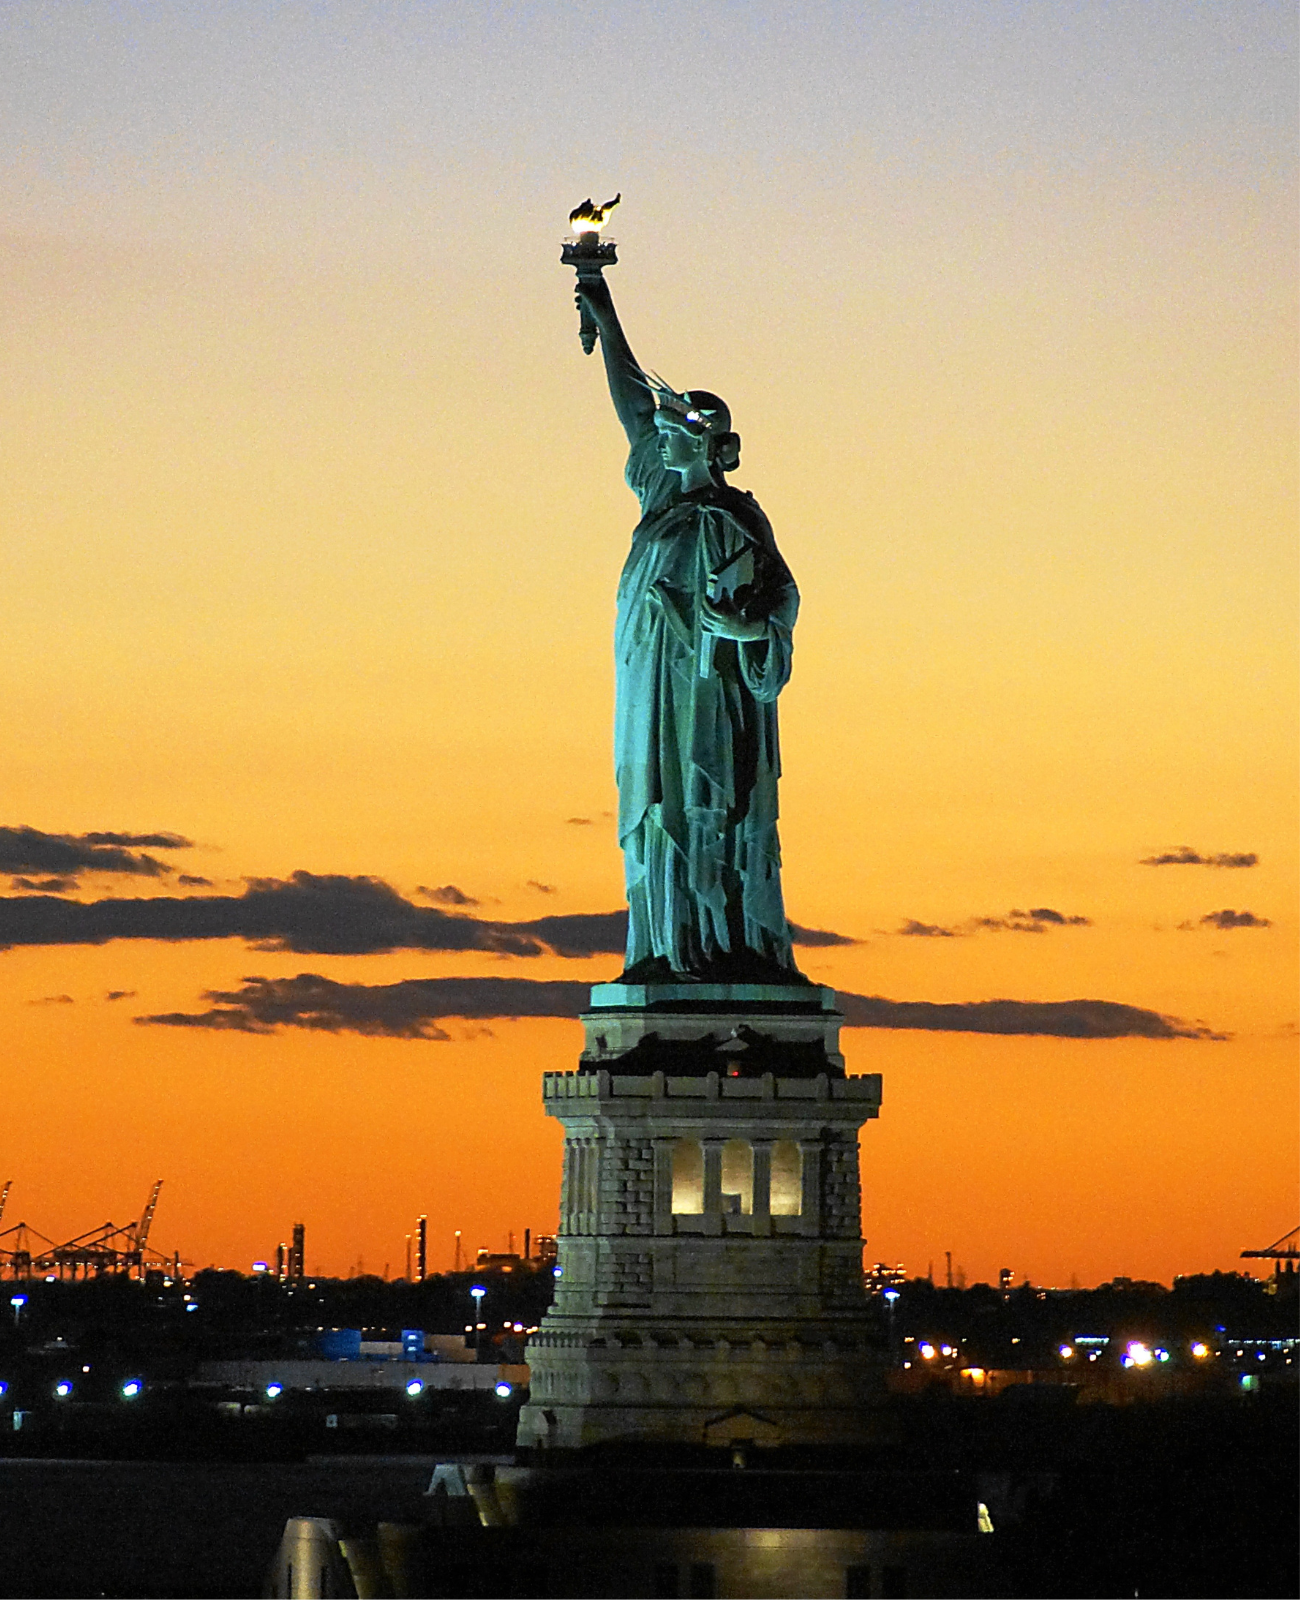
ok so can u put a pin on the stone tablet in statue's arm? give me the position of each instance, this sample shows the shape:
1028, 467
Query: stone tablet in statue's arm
752, 597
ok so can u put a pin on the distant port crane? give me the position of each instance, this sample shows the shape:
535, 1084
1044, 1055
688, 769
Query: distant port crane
1286, 1249
26, 1253
146, 1218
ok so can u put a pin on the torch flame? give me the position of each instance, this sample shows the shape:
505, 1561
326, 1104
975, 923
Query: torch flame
591, 218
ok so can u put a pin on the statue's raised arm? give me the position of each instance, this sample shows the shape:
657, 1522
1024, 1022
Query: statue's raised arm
633, 401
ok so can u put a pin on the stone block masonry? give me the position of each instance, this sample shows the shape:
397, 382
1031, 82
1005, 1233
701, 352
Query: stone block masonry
709, 1274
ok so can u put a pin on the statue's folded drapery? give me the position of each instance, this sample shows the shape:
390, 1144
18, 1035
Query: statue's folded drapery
695, 736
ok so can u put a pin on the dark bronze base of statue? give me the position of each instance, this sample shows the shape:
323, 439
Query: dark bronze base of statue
744, 967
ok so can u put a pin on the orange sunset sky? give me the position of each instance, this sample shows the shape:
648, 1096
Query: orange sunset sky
311, 514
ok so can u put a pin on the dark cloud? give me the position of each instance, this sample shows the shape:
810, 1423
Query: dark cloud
818, 938
320, 915
233, 1021
64, 854
1185, 856
1038, 920
579, 822
53, 1000
120, 994
542, 888
1060, 1019
1046, 914
45, 885
1234, 919
193, 881
413, 1010
447, 895
141, 841
408, 1010
596, 933
307, 914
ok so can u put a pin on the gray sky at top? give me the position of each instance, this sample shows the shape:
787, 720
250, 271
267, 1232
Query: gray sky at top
131, 118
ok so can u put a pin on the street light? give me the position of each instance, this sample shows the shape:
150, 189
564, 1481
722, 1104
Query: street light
891, 1298
17, 1301
476, 1295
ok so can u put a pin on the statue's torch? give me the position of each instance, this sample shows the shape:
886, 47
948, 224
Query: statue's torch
590, 254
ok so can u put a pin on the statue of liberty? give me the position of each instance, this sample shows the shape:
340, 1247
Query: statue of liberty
706, 609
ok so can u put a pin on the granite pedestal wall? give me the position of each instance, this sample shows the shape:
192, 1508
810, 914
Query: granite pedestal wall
709, 1282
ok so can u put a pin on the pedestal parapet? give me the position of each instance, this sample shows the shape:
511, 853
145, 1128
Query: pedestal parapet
709, 1278
741, 1029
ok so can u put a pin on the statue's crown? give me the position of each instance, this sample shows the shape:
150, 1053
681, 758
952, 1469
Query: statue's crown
696, 407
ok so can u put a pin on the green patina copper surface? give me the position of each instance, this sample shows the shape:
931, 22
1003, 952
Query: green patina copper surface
706, 610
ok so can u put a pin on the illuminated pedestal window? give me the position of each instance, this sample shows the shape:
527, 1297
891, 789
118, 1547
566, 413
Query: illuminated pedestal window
688, 1177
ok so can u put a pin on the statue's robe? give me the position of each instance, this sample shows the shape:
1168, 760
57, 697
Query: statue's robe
695, 736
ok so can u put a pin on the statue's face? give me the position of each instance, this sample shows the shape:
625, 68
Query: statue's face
679, 447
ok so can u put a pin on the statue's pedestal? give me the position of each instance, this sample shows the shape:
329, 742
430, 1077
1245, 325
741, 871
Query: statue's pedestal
709, 1282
